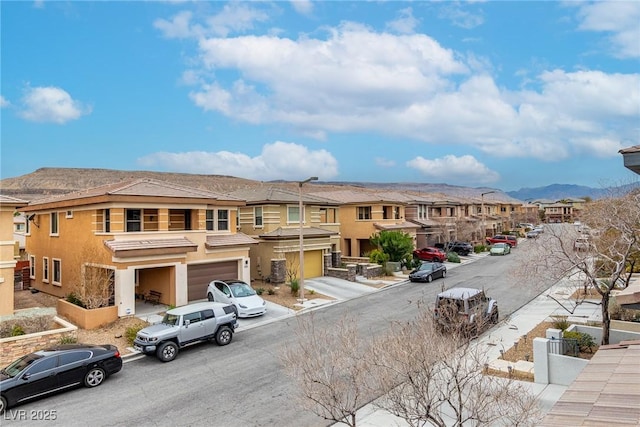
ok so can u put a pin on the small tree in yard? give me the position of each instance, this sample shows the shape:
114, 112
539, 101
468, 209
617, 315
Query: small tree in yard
433, 379
331, 369
396, 244
93, 283
612, 256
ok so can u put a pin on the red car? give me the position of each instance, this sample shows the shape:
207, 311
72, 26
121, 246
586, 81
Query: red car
502, 238
430, 254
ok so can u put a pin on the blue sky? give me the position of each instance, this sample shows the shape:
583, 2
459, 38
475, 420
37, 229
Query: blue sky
498, 94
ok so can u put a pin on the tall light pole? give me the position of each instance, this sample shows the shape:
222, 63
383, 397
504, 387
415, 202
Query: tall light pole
484, 228
301, 220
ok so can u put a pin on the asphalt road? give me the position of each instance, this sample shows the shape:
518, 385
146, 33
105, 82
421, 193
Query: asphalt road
243, 384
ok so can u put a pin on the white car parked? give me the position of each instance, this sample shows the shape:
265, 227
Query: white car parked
241, 295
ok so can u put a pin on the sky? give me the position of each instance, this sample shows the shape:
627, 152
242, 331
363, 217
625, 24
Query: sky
498, 94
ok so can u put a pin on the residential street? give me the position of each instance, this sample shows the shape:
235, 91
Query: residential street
243, 384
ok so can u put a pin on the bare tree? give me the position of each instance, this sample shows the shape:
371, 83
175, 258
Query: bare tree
92, 283
613, 250
435, 379
292, 265
331, 369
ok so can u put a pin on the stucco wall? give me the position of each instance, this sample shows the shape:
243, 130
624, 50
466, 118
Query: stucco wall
86, 319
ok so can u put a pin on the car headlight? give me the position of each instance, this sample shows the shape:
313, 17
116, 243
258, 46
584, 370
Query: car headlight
242, 306
152, 339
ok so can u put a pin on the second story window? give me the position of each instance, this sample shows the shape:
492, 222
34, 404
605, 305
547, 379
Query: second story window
45, 269
364, 212
54, 223
257, 216
396, 212
134, 220
293, 214
210, 221
107, 221
57, 272
223, 219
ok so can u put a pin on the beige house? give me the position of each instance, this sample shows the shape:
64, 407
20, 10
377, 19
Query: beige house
9, 251
365, 213
146, 235
271, 216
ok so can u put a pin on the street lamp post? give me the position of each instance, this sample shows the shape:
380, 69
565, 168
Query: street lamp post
300, 220
484, 227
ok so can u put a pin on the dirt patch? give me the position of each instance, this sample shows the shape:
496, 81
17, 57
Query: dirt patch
27, 299
114, 333
281, 294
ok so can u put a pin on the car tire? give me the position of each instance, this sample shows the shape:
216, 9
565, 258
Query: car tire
429, 278
210, 296
3, 404
224, 335
94, 377
444, 274
167, 351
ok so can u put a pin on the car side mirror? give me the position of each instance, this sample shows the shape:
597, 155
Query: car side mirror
26, 376
187, 322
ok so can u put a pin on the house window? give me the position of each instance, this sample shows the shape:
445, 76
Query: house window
45, 269
210, 220
107, 221
57, 272
422, 212
134, 220
69, 214
257, 216
28, 225
32, 267
293, 214
396, 212
223, 219
54, 223
19, 227
364, 212
328, 215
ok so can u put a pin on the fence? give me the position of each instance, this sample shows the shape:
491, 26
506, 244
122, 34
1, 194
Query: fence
564, 346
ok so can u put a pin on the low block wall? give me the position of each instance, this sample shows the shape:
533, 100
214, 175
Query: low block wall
369, 270
353, 259
348, 273
615, 335
87, 319
13, 347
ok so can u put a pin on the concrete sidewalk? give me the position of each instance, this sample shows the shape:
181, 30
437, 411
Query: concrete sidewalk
502, 336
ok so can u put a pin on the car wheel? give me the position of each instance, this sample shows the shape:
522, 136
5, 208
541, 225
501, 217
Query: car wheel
167, 351
3, 404
210, 296
94, 377
444, 274
429, 279
224, 335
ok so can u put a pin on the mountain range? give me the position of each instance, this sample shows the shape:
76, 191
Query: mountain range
51, 181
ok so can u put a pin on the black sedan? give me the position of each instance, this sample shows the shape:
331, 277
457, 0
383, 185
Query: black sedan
55, 369
428, 271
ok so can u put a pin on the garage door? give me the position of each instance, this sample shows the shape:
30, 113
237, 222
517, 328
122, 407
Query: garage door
312, 264
199, 276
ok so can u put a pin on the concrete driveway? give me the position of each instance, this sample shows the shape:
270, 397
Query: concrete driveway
338, 288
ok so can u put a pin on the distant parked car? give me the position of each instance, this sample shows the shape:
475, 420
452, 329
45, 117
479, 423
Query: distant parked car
503, 238
581, 244
500, 249
461, 248
532, 234
56, 369
430, 254
245, 300
427, 271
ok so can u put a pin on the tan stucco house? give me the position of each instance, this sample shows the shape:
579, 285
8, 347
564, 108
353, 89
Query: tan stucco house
9, 251
271, 216
148, 234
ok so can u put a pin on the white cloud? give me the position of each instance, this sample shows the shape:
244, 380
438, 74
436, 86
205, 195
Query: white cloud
619, 18
303, 7
4, 102
51, 104
453, 169
280, 160
460, 16
405, 23
385, 163
178, 27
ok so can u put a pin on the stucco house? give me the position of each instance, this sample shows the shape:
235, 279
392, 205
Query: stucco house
271, 217
145, 234
9, 251
365, 213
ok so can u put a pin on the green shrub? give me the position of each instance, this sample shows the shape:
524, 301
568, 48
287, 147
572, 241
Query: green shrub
295, 286
131, 332
68, 339
376, 256
17, 330
585, 341
453, 257
560, 322
479, 249
74, 299
271, 292
260, 291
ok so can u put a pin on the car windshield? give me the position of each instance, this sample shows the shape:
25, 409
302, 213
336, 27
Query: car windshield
426, 266
19, 365
240, 290
499, 245
170, 319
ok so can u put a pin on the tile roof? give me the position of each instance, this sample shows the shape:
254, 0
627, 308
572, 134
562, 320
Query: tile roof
236, 239
403, 225
605, 393
8, 200
353, 196
150, 246
138, 187
295, 232
260, 195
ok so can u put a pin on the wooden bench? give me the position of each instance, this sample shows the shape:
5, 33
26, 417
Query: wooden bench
153, 297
